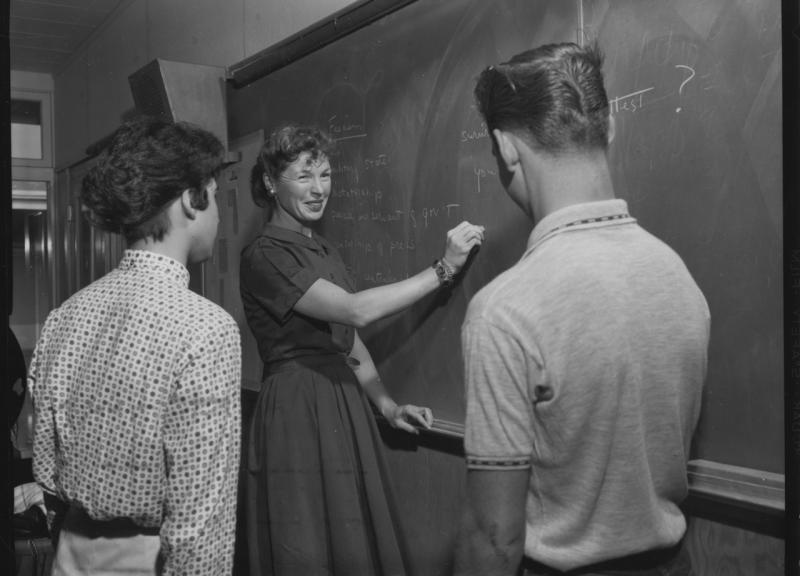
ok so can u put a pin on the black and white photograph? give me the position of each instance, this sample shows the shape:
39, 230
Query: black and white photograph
401, 288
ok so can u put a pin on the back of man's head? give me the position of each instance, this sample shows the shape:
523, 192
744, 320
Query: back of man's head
551, 96
147, 165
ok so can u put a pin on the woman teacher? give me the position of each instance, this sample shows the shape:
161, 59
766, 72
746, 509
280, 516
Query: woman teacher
318, 494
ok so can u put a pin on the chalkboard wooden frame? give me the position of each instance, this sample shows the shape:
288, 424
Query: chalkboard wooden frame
756, 497
746, 491
314, 37
734, 495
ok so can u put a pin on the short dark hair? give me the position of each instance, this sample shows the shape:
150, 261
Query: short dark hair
282, 147
148, 164
551, 96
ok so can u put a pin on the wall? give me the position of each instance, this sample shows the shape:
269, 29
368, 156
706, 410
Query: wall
92, 91
31, 81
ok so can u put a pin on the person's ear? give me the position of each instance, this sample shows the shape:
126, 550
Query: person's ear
268, 184
186, 205
612, 128
506, 148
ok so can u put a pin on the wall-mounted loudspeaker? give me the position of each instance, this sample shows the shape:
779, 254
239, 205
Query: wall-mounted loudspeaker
179, 91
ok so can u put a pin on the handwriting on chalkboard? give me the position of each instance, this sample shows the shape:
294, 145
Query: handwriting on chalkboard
346, 171
383, 250
482, 173
352, 174
376, 162
359, 193
432, 212
365, 216
379, 246
477, 134
691, 73
422, 217
629, 102
343, 128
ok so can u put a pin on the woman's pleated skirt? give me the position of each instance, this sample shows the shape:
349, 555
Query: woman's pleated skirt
318, 495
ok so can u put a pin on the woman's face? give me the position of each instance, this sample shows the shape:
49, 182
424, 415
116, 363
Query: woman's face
302, 190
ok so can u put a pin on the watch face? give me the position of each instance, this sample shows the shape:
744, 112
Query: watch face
441, 272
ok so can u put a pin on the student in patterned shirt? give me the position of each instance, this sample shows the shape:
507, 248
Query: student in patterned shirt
585, 361
136, 379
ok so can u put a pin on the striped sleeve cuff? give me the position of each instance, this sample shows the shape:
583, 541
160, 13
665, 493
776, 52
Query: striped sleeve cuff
478, 463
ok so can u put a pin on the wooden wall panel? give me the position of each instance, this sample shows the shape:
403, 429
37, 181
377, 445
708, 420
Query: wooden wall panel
721, 550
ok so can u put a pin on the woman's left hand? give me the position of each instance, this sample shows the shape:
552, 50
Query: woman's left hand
407, 416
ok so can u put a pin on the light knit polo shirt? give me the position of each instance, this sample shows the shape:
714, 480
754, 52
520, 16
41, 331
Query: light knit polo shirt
585, 363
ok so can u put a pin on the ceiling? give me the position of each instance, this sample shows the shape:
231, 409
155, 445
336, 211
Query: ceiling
43, 34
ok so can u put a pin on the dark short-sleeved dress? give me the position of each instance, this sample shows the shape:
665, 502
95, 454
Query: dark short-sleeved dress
318, 495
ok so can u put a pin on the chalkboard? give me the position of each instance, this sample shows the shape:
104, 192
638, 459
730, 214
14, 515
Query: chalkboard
695, 90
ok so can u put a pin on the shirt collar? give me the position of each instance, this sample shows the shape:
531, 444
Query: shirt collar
155, 263
574, 213
315, 242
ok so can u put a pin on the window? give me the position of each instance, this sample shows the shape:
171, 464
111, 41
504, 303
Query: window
29, 194
31, 295
26, 129
30, 129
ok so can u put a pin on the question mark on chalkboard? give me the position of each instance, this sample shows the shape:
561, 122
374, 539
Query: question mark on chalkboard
691, 75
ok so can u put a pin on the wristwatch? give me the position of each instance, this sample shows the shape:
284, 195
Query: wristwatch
443, 273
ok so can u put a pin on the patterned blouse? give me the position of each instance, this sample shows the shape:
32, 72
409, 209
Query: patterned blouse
136, 388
